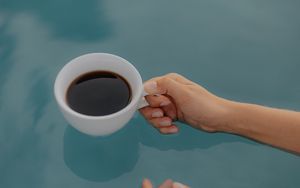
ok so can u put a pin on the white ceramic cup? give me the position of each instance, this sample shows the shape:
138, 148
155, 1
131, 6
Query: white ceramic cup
99, 125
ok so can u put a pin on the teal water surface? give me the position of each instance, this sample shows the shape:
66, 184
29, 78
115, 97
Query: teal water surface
242, 50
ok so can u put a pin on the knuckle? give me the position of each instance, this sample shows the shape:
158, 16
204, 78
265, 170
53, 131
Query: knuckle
166, 79
146, 112
172, 74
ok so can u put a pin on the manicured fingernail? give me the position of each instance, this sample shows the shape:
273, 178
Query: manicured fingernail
173, 130
165, 123
157, 114
165, 103
179, 185
150, 86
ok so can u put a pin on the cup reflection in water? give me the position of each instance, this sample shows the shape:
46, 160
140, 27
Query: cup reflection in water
105, 124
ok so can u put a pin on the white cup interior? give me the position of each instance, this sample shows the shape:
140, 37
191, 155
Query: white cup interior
94, 62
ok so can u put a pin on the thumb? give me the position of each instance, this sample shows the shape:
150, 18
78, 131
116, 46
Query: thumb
163, 85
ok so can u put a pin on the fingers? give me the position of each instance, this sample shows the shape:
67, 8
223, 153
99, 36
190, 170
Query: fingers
164, 103
163, 93
147, 184
164, 125
149, 112
156, 117
166, 184
179, 185
158, 100
167, 84
163, 85
169, 130
161, 122
179, 78
170, 111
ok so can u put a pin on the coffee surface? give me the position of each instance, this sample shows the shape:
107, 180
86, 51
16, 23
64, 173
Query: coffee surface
98, 93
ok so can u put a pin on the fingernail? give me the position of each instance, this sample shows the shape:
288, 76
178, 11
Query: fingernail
165, 123
157, 114
150, 86
179, 185
173, 130
165, 103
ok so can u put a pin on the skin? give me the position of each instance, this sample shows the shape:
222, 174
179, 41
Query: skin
172, 98
166, 184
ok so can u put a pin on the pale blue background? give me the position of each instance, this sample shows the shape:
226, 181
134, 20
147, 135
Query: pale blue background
246, 50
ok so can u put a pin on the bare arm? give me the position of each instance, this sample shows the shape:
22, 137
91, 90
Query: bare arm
280, 128
173, 97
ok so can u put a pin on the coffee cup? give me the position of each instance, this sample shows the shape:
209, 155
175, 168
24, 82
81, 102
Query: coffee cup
106, 124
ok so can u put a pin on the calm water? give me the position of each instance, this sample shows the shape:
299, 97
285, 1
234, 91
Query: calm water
243, 50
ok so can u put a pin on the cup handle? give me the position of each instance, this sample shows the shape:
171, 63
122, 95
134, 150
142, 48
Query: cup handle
143, 102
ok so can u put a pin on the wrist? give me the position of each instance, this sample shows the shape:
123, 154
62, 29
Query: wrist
232, 118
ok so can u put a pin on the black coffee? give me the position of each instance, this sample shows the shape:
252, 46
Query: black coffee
98, 93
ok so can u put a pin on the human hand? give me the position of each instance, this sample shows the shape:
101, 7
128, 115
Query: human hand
173, 97
166, 184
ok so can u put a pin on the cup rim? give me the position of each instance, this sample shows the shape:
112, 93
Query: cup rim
62, 103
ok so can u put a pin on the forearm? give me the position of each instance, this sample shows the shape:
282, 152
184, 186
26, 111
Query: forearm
280, 128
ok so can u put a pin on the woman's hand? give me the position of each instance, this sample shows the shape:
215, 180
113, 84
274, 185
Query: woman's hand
173, 97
